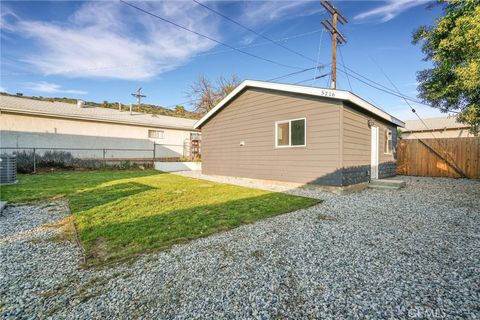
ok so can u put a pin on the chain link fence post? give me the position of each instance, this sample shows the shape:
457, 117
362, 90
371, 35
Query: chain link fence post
34, 160
104, 160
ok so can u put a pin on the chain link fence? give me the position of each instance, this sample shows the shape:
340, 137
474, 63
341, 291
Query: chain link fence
34, 159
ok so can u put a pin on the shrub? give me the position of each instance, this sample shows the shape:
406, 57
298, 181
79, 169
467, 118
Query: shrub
24, 161
65, 160
56, 159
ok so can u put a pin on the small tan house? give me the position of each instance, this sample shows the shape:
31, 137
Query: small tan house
442, 127
283, 132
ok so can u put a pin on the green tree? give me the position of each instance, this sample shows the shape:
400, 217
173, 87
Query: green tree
453, 46
180, 111
399, 134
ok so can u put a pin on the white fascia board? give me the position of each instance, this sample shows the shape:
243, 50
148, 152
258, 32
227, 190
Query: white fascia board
318, 92
371, 108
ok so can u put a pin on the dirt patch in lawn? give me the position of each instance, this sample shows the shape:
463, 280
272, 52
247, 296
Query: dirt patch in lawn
66, 227
98, 249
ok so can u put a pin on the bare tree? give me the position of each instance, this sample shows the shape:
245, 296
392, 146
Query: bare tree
206, 94
203, 93
227, 85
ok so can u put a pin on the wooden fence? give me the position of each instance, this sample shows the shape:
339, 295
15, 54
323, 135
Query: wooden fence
447, 157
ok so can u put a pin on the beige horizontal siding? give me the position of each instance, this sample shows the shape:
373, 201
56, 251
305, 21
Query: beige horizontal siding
251, 118
357, 138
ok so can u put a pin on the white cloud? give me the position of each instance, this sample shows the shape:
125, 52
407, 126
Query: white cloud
102, 35
108, 39
389, 10
47, 87
3, 89
260, 12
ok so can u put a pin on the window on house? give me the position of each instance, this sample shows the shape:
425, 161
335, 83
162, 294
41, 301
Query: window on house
290, 133
156, 134
388, 141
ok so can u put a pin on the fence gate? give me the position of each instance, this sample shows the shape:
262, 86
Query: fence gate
446, 157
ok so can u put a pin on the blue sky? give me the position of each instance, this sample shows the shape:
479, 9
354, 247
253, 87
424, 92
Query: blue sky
105, 50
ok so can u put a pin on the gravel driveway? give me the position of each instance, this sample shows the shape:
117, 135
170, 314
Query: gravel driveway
412, 253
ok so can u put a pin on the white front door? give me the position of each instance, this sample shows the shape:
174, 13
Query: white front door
374, 154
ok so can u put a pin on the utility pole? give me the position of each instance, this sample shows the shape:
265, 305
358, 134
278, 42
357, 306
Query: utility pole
336, 35
139, 96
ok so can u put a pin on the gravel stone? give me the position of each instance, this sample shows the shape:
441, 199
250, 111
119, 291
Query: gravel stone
375, 254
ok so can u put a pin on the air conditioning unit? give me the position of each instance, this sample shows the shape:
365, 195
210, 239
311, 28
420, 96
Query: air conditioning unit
8, 168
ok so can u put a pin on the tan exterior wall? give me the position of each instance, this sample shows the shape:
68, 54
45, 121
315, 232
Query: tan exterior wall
18, 130
357, 139
437, 134
338, 140
251, 118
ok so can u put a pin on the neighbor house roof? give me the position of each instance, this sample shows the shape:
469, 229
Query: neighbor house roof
441, 123
72, 111
311, 91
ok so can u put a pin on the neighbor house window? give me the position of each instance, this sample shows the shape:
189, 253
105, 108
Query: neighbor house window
290, 133
388, 141
156, 134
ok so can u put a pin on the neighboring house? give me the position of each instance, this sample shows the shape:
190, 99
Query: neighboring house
434, 128
300, 134
29, 123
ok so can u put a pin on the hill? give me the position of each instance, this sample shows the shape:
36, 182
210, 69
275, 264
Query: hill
179, 111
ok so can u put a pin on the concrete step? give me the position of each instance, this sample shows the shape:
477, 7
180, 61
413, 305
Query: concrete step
386, 184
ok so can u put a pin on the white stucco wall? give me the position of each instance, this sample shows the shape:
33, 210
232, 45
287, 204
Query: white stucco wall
178, 166
18, 130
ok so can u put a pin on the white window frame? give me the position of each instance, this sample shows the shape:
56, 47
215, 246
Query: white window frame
385, 146
156, 131
290, 133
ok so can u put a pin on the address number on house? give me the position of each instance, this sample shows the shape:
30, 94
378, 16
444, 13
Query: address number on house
327, 93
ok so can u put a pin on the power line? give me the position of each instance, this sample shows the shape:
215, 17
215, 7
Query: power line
318, 54
375, 103
264, 43
388, 90
337, 36
376, 83
182, 103
295, 73
419, 118
343, 64
406, 101
253, 31
329, 79
315, 78
207, 37
154, 63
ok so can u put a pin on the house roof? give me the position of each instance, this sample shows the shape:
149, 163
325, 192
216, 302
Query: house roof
311, 91
440, 123
72, 111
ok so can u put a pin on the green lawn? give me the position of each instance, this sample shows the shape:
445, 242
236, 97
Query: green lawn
123, 213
